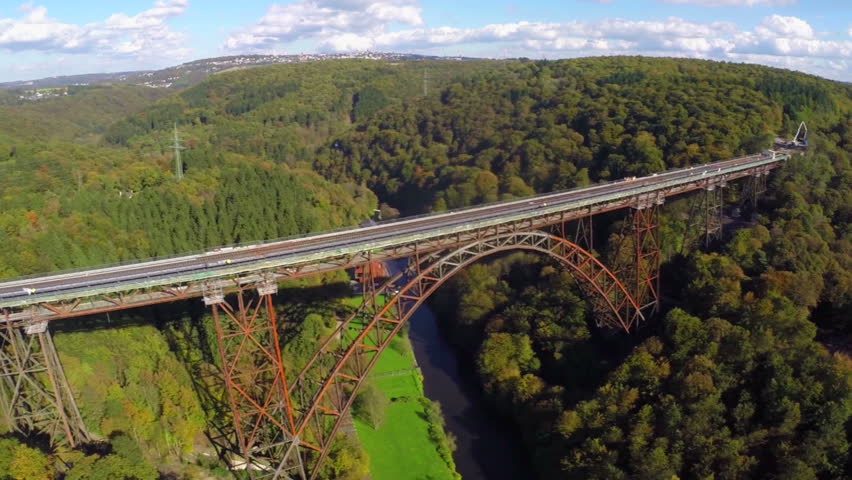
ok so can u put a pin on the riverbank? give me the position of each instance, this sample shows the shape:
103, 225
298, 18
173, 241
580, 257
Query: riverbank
488, 447
402, 447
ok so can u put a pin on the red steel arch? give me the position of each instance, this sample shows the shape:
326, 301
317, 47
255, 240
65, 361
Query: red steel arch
326, 408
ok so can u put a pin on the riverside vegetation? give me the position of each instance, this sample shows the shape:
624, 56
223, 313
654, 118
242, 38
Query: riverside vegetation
733, 383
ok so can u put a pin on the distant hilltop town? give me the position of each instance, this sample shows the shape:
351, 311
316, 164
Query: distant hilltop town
43, 93
193, 72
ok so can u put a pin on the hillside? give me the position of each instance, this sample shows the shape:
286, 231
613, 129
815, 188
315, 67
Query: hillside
733, 384
283, 112
79, 116
190, 73
239, 128
540, 126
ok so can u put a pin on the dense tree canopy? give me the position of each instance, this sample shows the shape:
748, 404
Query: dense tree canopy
552, 125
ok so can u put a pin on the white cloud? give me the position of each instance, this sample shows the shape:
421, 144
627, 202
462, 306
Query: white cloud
786, 37
279, 26
35, 30
344, 25
143, 35
338, 24
733, 3
347, 42
786, 26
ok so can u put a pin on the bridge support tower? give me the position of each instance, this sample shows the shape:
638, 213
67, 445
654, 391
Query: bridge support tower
255, 381
34, 394
705, 222
714, 200
647, 255
752, 188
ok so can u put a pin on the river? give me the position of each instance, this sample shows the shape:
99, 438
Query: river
488, 448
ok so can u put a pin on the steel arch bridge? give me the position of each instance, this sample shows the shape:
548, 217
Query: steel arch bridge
285, 424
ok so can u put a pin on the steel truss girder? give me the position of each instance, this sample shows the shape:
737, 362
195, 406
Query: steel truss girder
348, 359
256, 383
34, 394
94, 303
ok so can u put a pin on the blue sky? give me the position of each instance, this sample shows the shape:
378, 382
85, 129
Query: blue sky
59, 37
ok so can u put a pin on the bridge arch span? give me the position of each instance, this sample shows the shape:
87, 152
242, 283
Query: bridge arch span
327, 407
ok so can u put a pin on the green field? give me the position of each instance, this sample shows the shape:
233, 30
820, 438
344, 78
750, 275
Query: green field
401, 449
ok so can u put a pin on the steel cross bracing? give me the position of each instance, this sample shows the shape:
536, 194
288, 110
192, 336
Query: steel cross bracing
256, 382
713, 202
752, 188
646, 245
34, 395
706, 215
116, 288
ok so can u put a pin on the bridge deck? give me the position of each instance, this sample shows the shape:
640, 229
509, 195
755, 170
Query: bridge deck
328, 251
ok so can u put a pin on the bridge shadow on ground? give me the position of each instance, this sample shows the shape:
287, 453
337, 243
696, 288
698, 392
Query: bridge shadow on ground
193, 342
139, 317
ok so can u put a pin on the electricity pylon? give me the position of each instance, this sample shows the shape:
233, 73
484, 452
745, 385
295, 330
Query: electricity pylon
178, 163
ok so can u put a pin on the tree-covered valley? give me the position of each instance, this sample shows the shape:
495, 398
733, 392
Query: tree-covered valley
745, 373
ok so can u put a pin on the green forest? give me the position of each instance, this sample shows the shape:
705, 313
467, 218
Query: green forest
745, 374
